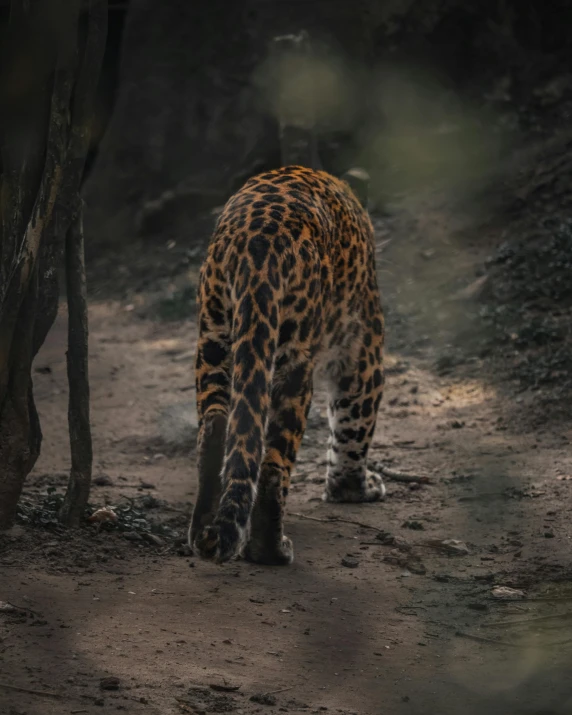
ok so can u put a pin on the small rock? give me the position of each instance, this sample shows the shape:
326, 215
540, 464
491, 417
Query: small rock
109, 683
486, 577
146, 485
442, 577
349, 562
416, 566
132, 536
454, 546
153, 539
102, 480
386, 538
507, 592
8, 608
106, 513
478, 606
299, 704
148, 501
415, 525
408, 561
263, 699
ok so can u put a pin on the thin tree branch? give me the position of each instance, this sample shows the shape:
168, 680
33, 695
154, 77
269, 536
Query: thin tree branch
83, 104
18, 689
339, 520
77, 493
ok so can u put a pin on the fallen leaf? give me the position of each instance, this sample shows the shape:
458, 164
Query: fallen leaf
106, 513
507, 592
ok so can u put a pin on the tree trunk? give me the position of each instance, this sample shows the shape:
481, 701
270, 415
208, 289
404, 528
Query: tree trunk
32, 146
79, 483
20, 433
47, 86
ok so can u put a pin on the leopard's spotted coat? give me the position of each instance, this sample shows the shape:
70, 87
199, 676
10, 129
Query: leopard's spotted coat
289, 280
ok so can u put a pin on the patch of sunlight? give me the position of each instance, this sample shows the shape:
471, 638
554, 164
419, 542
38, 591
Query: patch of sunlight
163, 344
461, 393
469, 392
101, 309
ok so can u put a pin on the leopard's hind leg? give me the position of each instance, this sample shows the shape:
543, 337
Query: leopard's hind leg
290, 402
212, 376
356, 387
210, 447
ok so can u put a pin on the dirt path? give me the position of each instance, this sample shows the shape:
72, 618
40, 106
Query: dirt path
384, 619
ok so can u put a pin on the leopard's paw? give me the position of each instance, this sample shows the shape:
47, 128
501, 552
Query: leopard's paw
219, 542
275, 555
355, 491
374, 487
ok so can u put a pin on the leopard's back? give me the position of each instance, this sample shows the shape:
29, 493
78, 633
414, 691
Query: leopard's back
315, 215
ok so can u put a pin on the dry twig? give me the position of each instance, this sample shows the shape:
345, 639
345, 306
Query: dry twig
527, 621
280, 690
339, 519
508, 644
397, 476
489, 641
18, 689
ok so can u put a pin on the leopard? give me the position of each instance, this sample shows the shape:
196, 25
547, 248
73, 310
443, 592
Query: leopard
288, 290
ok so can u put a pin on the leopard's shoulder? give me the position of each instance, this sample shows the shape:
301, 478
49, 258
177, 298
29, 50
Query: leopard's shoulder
289, 199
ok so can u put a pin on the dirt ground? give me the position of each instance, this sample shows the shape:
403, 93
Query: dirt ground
380, 612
